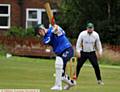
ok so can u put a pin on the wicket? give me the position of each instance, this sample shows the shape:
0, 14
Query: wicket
71, 67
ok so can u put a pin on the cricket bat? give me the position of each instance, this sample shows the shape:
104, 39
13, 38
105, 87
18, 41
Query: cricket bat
49, 13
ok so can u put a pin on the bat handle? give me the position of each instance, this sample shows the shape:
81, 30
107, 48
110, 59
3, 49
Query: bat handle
53, 21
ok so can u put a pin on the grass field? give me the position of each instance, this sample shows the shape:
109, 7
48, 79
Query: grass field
20, 72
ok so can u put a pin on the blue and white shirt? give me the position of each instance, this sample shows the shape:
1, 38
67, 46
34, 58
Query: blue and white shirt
57, 40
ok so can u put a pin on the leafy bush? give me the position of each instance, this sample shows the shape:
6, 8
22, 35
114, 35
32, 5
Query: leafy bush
20, 32
29, 32
15, 32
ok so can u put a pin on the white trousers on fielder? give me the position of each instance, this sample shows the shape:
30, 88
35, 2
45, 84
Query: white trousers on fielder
59, 71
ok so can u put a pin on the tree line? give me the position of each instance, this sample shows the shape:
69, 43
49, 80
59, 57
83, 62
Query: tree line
104, 14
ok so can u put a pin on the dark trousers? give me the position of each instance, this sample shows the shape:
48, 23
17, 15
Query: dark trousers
66, 55
93, 60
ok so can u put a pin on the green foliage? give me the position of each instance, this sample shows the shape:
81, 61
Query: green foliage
15, 32
20, 32
75, 14
29, 32
109, 32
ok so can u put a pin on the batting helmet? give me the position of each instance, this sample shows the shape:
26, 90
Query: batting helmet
37, 27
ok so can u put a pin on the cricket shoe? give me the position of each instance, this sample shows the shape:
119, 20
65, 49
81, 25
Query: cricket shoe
66, 79
100, 82
67, 87
56, 87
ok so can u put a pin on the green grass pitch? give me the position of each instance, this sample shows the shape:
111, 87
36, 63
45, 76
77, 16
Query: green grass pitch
28, 73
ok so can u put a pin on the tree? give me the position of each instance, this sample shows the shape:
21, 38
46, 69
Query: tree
103, 13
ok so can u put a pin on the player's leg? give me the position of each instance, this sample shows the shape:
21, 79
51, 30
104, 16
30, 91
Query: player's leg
64, 66
67, 55
80, 63
93, 59
59, 70
69, 82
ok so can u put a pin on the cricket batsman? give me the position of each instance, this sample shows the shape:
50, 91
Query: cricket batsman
55, 37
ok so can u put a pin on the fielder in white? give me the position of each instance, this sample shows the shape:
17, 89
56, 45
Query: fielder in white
87, 44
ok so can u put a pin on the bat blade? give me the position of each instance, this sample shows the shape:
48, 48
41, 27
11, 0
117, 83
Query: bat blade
49, 13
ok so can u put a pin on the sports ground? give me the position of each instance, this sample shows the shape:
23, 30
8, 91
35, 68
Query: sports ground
35, 73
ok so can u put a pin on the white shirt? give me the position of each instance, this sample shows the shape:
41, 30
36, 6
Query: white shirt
89, 42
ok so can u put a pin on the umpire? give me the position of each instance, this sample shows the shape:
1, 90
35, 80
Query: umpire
87, 44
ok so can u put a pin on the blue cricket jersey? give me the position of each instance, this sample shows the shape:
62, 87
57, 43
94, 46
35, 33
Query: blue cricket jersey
59, 41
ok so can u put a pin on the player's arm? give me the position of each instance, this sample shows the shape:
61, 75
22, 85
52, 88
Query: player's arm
55, 28
99, 46
52, 30
79, 45
47, 37
58, 30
